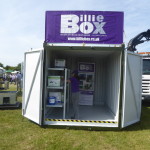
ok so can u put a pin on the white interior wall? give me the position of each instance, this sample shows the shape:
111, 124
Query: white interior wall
113, 82
72, 63
107, 74
100, 85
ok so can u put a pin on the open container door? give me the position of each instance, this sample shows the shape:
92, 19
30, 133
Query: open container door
132, 89
32, 96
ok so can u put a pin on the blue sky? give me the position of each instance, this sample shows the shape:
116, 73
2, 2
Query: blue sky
22, 24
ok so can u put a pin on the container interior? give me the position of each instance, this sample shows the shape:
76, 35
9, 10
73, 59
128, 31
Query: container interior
106, 86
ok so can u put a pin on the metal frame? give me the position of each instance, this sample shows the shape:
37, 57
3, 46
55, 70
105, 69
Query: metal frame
122, 87
64, 88
121, 48
83, 44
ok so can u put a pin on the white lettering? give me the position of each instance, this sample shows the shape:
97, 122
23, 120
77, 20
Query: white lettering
86, 27
69, 23
99, 28
89, 18
85, 18
93, 17
100, 18
86, 24
81, 18
82, 39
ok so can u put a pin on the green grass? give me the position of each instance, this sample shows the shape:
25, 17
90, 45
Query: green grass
18, 133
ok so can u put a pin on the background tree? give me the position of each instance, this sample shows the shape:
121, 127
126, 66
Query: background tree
9, 67
18, 67
1, 65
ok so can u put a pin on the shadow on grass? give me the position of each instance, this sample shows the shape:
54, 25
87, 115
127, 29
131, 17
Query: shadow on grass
18, 105
146, 103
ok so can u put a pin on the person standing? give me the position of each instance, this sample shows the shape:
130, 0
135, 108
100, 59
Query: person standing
12, 78
74, 80
18, 79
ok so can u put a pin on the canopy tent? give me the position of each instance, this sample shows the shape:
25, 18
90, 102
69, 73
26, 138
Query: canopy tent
15, 72
9, 71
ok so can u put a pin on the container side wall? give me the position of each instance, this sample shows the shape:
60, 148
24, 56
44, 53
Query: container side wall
113, 82
133, 83
100, 86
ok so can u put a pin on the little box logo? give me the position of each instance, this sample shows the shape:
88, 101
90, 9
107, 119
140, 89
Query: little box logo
86, 24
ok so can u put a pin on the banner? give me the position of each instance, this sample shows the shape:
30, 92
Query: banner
97, 27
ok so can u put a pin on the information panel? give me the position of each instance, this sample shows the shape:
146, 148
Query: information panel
86, 75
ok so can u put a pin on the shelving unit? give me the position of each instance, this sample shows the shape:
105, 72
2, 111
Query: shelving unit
62, 88
53, 87
57, 105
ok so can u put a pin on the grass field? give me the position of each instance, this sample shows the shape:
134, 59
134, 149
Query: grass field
18, 133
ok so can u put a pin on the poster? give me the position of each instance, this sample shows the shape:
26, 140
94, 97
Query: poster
86, 75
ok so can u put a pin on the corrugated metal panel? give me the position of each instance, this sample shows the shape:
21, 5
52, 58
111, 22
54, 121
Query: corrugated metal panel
113, 82
106, 72
100, 76
99, 95
132, 97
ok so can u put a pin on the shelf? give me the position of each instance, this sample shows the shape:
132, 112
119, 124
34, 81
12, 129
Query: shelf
62, 87
62, 69
55, 87
57, 105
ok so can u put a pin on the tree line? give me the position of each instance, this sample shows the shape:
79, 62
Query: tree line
7, 67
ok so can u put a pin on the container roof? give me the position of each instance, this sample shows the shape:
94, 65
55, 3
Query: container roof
84, 50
